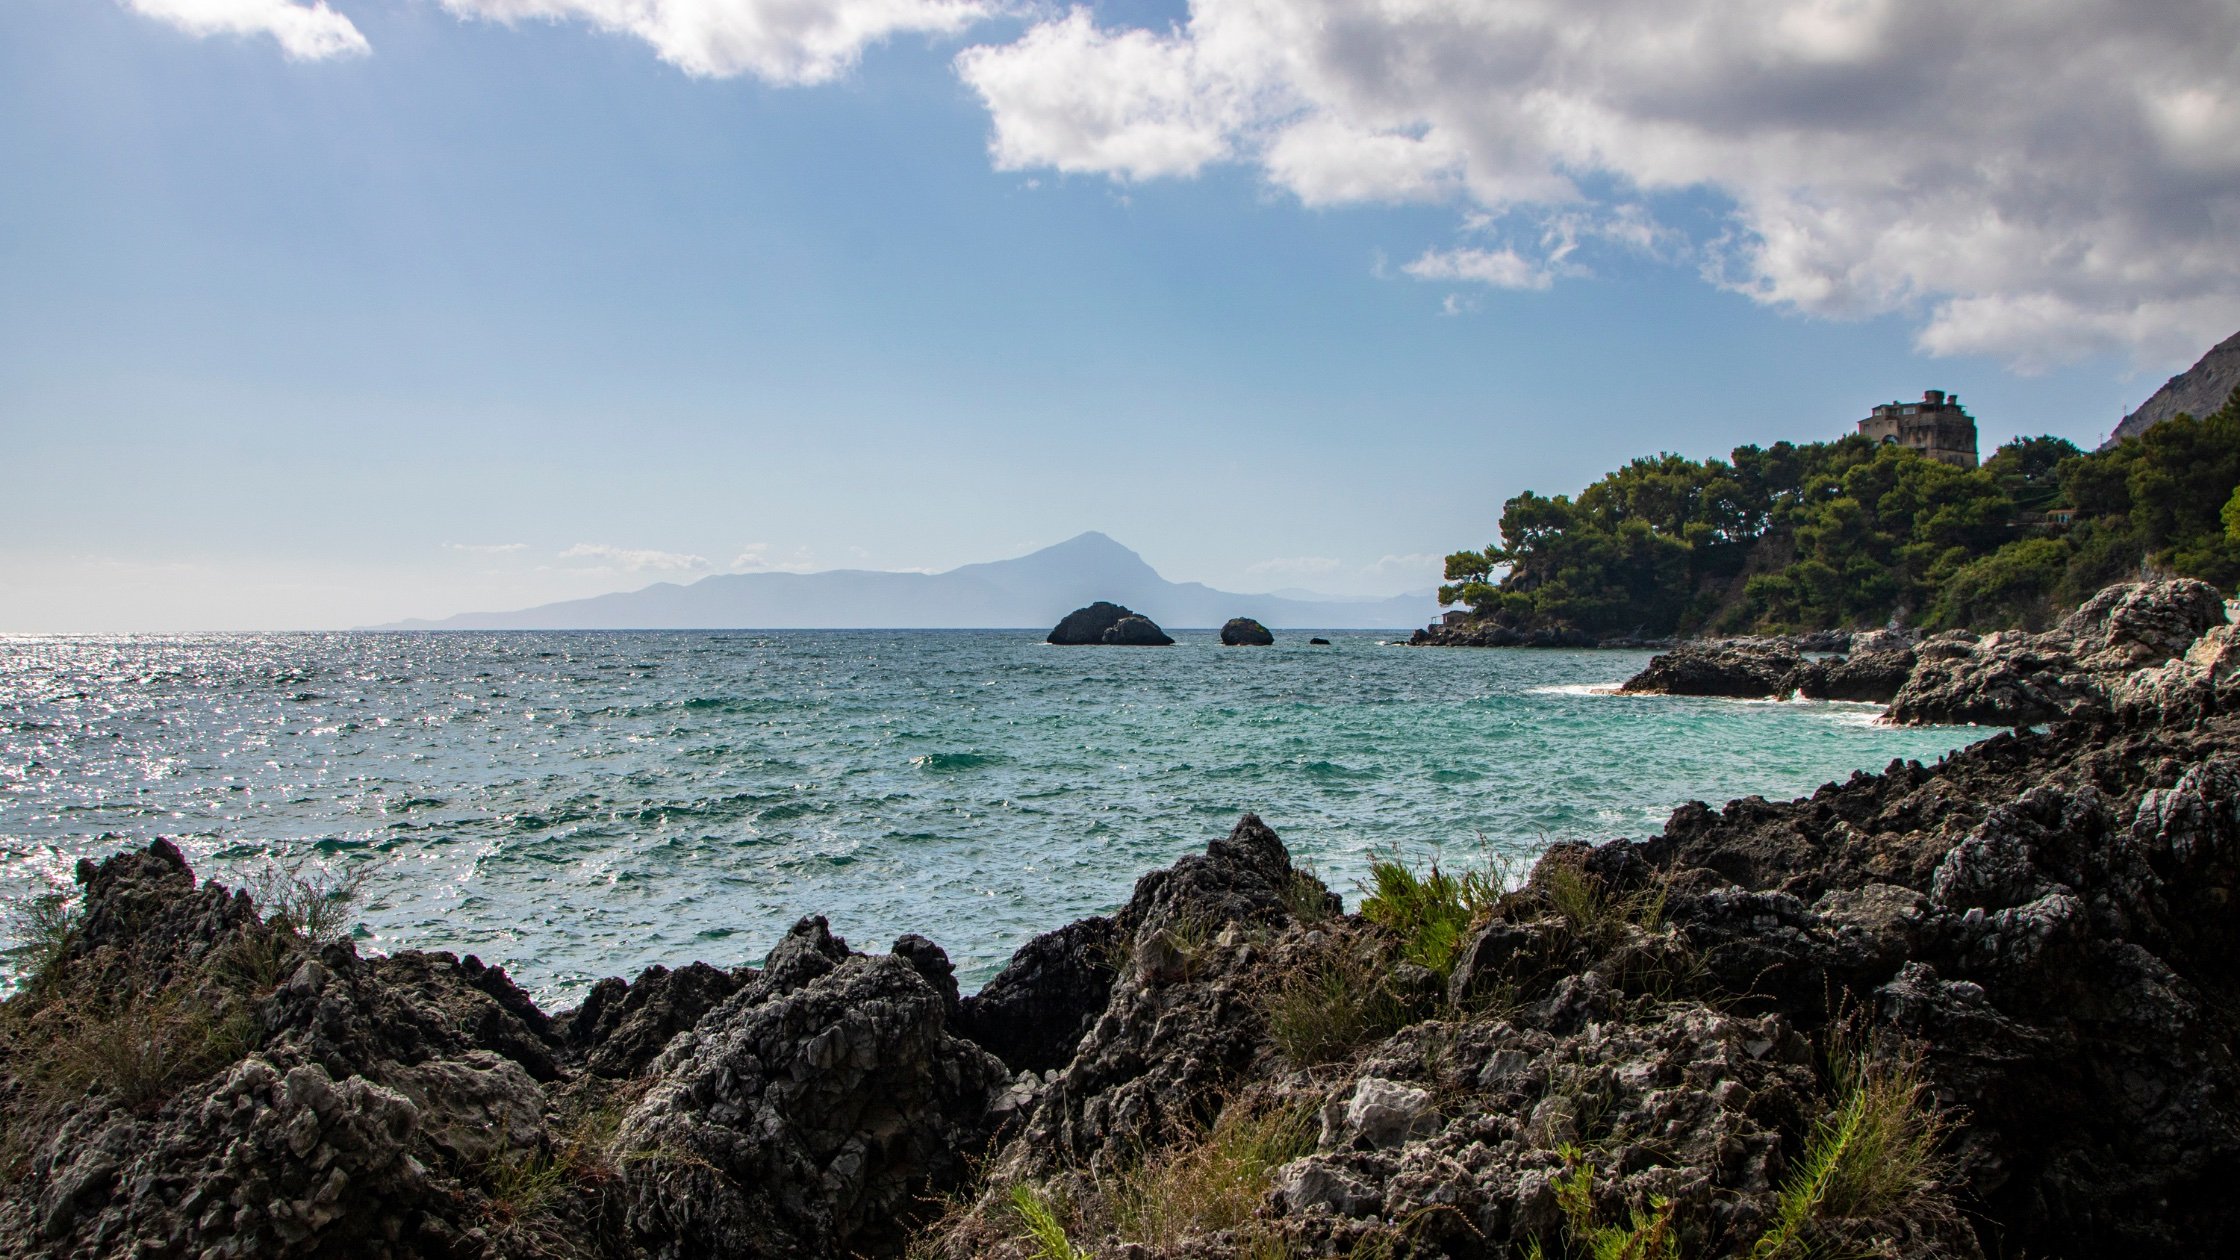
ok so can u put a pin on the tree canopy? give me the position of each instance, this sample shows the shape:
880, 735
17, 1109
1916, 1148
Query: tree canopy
1849, 533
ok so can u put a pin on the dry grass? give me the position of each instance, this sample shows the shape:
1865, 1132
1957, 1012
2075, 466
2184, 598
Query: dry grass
1321, 1009
310, 900
1211, 1180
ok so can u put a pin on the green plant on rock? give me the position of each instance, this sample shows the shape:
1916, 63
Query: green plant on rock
1649, 1236
1431, 913
1877, 1154
311, 900
1038, 1216
42, 928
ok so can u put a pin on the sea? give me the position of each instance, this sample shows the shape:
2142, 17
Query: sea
578, 805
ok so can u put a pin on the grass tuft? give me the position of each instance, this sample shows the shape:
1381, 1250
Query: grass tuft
1877, 1154
312, 900
1431, 913
1039, 1217
1319, 1010
1209, 1182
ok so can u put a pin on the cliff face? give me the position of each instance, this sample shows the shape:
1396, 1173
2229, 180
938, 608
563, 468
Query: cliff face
2005, 979
2197, 391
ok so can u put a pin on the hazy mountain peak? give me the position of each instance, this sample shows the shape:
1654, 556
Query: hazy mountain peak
1025, 592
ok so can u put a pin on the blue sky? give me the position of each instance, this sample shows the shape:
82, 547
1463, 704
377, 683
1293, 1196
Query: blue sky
482, 314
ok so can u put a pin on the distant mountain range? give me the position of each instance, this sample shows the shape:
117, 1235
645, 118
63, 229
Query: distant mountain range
1031, 591
2197, 391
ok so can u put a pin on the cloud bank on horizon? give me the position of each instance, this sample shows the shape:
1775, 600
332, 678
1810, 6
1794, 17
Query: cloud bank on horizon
2031, 182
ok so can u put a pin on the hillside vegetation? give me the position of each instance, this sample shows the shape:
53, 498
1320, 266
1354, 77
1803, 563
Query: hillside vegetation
1847, 534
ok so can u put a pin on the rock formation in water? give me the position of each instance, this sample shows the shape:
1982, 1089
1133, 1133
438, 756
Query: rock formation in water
1740, 670
1245, 632
2006, 974
1107, 623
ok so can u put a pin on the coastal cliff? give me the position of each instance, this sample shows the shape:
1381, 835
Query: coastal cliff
1980, 1008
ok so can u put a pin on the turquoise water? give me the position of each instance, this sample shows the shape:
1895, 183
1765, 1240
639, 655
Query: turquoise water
583, 804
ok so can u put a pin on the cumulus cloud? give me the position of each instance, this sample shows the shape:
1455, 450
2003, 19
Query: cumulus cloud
783, 41
305, 32
2033, 181
634, 559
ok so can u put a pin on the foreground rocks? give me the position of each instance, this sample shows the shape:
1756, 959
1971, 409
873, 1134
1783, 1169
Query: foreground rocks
1107, 623
2026, 944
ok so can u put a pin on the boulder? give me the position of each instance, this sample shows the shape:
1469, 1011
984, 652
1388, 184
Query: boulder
1134, 631
810, 1114
1867, 676
1245, 632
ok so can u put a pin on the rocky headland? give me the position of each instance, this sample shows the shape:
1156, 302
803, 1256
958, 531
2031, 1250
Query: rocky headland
1980, 1008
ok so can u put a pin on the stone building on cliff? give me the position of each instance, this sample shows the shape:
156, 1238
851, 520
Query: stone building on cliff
1935, 426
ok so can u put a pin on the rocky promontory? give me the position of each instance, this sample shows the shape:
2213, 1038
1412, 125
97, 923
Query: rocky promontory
1980, 1008
1108, 623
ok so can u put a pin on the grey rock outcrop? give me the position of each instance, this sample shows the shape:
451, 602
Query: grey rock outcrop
1033, 1014
1245, 632
2013, 678
808, 1114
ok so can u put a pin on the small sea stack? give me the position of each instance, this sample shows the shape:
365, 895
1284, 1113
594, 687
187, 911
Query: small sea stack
1108, 623
1245, 632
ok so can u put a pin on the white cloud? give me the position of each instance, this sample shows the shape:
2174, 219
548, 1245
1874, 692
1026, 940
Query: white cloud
635, 559
783, 41
486, 549
1501, 268
305, 32
2033, 181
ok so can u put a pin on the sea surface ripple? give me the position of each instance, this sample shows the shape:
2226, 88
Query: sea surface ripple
575, 805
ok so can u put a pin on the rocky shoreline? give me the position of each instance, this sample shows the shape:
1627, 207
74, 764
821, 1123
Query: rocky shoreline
2005, 975
2155, 645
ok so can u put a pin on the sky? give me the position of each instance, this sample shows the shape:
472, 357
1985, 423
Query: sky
320, 315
